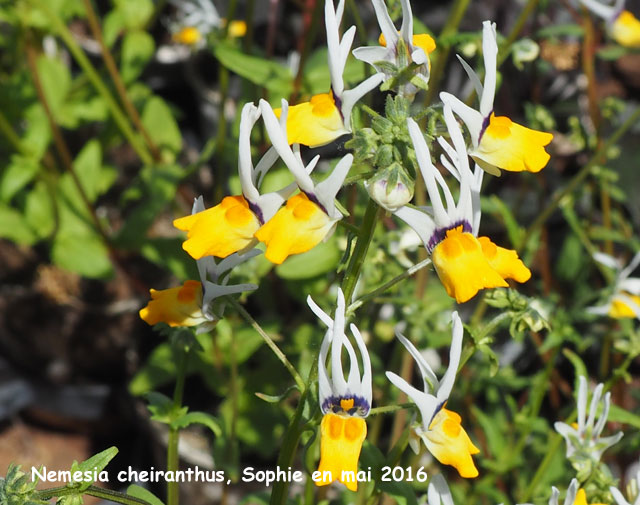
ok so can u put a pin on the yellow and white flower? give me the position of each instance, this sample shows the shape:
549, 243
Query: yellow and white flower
625, 300
633, 490
230, 226
310, 216
195, 19
621, 24
441, 429
398, 48
498, 142
583, 439
464, 262
344, 403
327, 116
192, 304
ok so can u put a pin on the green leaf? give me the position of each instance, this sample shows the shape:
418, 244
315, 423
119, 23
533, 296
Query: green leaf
95, 463
163, 409
94, 178
56, 82
162, 127
113, 25
321, 259
14, 226
136, 14
17, 174
620, 415
272, 75
198, 418
137, 49
611, 53
168, 253
39, 211
82, 252
557, 30
143, 494
401, 492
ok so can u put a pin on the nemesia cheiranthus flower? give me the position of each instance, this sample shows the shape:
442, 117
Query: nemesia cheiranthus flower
310, 216
230, 226
192, 303
464, 262
327, 116
441, 429
583, 440
399, 48
195, 19
625, 300
634, 493
344, 404
621, 24
498, 142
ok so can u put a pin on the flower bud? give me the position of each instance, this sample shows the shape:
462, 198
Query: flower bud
391, 188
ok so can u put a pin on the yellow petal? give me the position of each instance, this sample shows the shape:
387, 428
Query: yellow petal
296, 228
189, 35
620, 310
581, 498
450, 444
340, 444
181, 306
221, 230
504, 261
425, 42
314, 123
626, 30
512, 147
237, 29
462, 266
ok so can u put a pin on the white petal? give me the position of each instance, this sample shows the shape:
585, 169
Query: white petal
327, 190
351, 97
595, 400
232, 261
446, 385
606, 12
582, 403
602, 420
429, 378
553, 500
263, 166
618, 497
365, 385
421, 223
490, 50
471, 117
630, 285
571, 492
324, 386
337, 341
406, 29
426, 403
333, 45
373, 54
250, 114
473, 77
607, 260
387, 27
631, 266
438, 492
320, 314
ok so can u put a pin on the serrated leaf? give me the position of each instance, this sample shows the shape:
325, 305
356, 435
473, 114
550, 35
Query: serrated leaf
198, 418
95, 463
137, 49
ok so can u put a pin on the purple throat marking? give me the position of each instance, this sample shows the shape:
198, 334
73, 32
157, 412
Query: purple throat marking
360, 407
441, 233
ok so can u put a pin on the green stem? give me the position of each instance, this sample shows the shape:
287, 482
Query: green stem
362, 246
578, 178
292, 439
173, 460
387, 409
84, 63
98, 492
360, 301
12, 136
269, 341
450, 28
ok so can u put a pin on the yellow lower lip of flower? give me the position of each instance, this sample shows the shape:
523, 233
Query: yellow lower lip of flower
221, 230
189, 35
237, 29
462, 267
504, 261
620, 310
341, 439
181, 306
314, 123
512, 147
625, 30
297, 227
450, 444
425, 42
